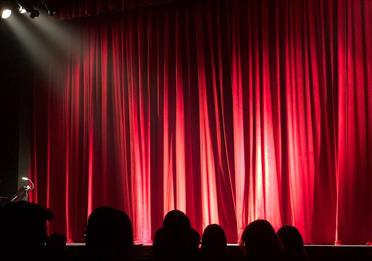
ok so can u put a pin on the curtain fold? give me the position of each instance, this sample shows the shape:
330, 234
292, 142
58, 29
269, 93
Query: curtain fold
230, 111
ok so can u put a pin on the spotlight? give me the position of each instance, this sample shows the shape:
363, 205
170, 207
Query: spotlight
34, 13
50, 9
32, 7
25, 179
51, 12
6, 13
22, 10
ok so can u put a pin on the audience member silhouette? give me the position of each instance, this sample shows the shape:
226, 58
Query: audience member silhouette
55, 247
176, 240
293, 243
260, 242
214, 243
109, 235
23, 231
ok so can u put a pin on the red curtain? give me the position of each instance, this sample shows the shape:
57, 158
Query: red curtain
228, 110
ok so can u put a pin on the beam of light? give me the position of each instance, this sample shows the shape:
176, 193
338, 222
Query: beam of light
36, 47
6, 13
62, 36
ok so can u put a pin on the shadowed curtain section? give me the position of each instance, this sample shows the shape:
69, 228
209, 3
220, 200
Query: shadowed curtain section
228, 110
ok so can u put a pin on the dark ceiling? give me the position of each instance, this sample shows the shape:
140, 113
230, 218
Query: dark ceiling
76, 8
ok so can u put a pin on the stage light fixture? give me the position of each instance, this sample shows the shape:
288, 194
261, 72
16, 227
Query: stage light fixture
32, 7
50, 10
22, 10
34, 13
6, 13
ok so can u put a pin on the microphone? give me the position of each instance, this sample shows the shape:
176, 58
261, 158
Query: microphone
28, 187
23, 191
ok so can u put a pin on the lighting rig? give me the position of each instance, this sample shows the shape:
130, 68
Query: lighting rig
30, 7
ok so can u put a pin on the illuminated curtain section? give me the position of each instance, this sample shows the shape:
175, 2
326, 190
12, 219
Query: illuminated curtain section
230, 111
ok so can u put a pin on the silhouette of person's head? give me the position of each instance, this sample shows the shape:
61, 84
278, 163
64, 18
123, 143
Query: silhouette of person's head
177, 230
293, 243
23, 226
214, 243
109, 234
261, 242
176, 220
176, 239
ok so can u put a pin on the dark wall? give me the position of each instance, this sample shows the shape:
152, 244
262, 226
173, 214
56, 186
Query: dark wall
11, 70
